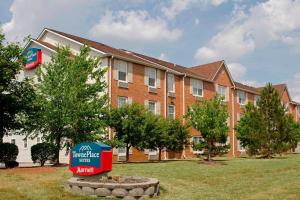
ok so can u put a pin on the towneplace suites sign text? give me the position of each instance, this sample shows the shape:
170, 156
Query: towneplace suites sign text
33, 57
90, 158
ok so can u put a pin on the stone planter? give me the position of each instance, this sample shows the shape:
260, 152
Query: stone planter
130, 188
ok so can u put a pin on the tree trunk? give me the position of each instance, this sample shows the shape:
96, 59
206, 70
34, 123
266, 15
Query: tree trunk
127, 153
57, 143
159, 154
209, 152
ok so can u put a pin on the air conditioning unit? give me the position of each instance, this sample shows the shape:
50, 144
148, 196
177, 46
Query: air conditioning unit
152, 89
153, 157
121, 158
199, 98
122, 84
171, 94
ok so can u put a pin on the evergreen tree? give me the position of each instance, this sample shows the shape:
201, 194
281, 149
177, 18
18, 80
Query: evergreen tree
71, 100
15, 95
210, 119
267, 129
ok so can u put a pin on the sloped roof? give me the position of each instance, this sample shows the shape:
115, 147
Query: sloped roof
207, 70
246, 88
170, 65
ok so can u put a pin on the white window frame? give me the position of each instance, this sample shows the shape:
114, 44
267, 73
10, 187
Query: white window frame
220, 93
155, 106
171, 77
256, 99
298, 109
173, 115
238, 97
196, 152
195, 84
121, 97
152, 152
120, 63
122, 153
155, 76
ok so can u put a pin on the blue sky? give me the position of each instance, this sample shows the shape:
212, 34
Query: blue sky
259, 40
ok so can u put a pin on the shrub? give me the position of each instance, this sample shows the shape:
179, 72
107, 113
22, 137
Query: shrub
42, 152
11, 164
8, 152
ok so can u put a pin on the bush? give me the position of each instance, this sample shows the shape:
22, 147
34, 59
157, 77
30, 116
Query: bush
42, 152
8, 152
11, 164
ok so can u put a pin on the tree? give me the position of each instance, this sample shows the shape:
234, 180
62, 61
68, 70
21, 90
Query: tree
71, 100
155, 134
128, 123
42, 152
178, 135
16, 95
210, 119
267, 129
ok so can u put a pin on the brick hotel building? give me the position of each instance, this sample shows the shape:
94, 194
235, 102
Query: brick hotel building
166, 88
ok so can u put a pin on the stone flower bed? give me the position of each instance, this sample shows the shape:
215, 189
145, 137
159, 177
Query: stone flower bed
130, 188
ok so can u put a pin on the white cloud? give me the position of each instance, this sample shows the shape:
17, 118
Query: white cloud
268, 21
237, 70
133, 26
177, 6
31, 16
163, 56
197, 21
294, 87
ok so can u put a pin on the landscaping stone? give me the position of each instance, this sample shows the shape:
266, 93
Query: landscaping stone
150, 191
130, 188
136, 192
119, 192
102, 192
88, 191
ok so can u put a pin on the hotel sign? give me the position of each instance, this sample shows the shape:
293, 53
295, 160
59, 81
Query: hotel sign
33, 57
90, 158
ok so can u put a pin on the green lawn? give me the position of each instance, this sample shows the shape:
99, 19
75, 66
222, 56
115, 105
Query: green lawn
238, 178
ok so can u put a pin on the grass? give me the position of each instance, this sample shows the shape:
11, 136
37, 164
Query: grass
238, 178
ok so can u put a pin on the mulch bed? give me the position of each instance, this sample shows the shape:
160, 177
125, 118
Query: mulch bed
29, 170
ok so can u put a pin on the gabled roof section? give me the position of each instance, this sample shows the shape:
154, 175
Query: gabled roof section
281, 88
211, 70
207, 70
246, 88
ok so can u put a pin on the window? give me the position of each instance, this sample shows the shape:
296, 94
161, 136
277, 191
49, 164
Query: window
38, 140
256, 99
122, 71
122, 101
298, 111
25, 143
171, 111
13, 141
152, 77
287, 107
171, 83
196, 140
197, 87
222, 92
152, 106
241, 148
241, 97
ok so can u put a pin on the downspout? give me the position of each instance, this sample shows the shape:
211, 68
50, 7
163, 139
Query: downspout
183, 107
109, 91
165, 105
233, 122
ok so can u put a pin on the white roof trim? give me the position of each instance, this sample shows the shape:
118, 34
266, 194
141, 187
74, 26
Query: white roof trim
226, 68
43, 32
34, 41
